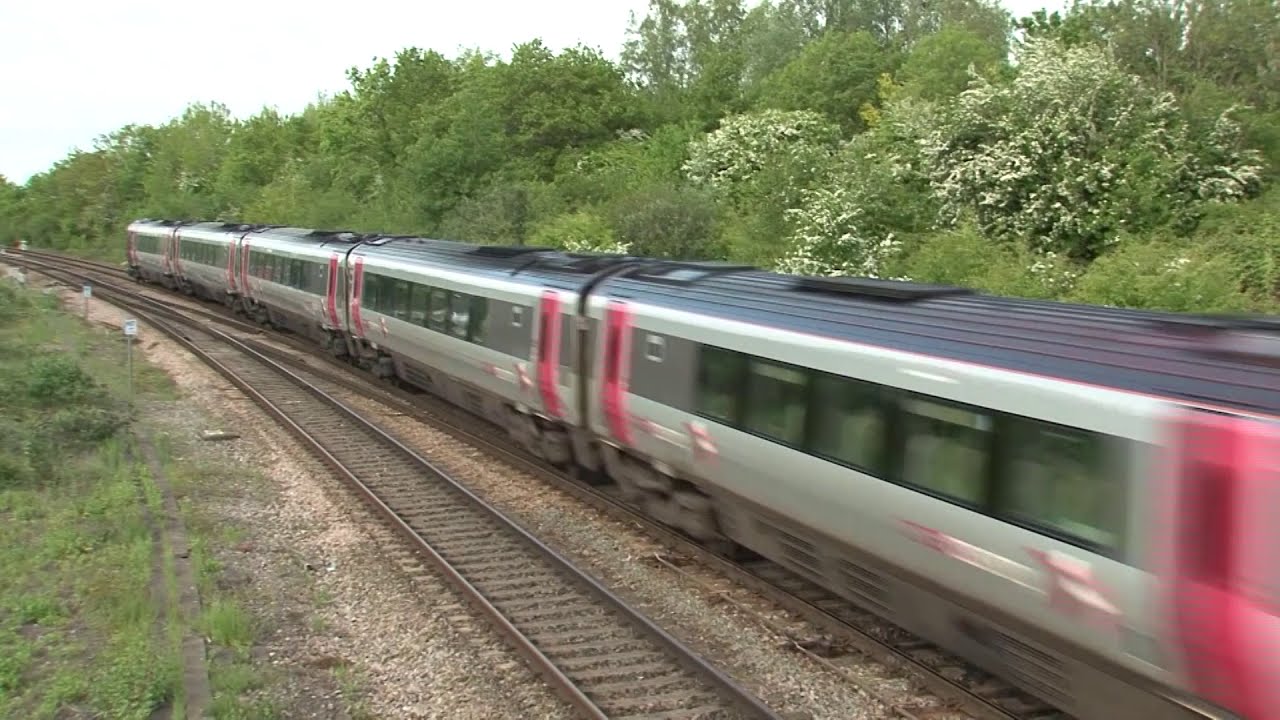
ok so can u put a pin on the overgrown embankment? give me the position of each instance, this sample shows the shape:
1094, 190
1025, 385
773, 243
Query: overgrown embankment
79, 628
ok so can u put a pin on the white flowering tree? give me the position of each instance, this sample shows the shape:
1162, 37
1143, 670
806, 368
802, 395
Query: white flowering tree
848, 222
745, 148
1074, 151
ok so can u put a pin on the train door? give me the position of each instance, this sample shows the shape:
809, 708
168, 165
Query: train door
167, 250
617, 359
175, 243
246, 287
548, 353
1221, 575
354, 321
232, 266
330, 320
131, 250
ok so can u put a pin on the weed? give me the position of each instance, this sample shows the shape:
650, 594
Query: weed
228, 625
76, 621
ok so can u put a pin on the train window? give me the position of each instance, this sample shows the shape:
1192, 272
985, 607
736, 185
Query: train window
777, 399
370, 296
439, 319
517, 316
479, 311
319, 283
849, 423
419, 304
947, 448
1060, 478
399, 299
720, 383
402, 300
459, 315
654, 347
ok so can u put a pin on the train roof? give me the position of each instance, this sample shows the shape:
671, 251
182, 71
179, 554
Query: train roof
559, 268
1232, 361
1225, 360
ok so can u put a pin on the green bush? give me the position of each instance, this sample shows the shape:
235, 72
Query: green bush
1158, 275
964, 257
667, 222
577, 231
56, 379
84, 423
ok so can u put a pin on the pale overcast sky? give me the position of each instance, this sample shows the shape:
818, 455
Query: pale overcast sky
75, 69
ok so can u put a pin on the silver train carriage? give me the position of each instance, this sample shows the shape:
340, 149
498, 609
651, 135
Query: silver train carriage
1071, 497
148, 251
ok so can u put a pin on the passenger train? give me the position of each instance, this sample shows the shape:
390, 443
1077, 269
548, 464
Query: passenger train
1081, 500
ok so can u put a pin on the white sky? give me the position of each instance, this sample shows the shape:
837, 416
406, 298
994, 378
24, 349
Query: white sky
72, 70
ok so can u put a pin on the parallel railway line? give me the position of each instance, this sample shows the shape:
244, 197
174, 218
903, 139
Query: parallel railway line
601, 655
848, 632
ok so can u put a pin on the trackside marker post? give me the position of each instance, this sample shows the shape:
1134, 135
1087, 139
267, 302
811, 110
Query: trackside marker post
87, 291
130, 331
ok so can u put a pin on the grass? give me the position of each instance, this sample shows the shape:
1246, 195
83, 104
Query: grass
78, 625
237, 683
80, 632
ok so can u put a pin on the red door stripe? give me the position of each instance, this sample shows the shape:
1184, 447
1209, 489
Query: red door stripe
549, 353
616, 370
231, 267
357, 287
246, 288
331, 292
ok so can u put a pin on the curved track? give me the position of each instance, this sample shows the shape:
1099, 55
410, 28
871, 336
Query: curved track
600, 654
850, 633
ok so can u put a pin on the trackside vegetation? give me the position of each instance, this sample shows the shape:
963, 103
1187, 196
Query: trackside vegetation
79, 634
1120, 152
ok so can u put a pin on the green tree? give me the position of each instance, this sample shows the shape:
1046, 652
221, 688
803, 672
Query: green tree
835, 75
939, 66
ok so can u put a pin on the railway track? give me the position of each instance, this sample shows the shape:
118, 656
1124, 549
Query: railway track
601, 655
848, 633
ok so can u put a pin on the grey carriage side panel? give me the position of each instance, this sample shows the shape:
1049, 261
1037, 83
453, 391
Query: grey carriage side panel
663, 368
509, 328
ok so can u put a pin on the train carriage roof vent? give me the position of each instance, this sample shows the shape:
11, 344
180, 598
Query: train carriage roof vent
508, 251
582, 263
376, 239
1243, 336
877, 288
680, 272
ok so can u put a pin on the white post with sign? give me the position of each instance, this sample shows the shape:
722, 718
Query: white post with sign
130, 331
87, 291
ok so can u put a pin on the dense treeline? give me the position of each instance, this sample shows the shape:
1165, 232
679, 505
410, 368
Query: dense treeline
1121, 152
